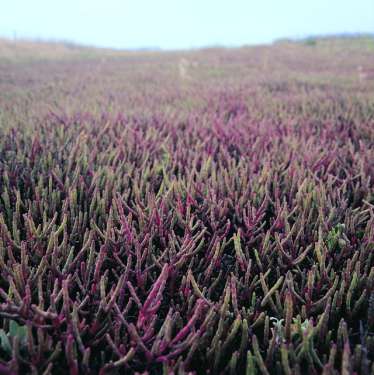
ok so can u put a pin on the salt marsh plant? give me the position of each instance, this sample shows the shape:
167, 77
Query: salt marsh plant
222, 227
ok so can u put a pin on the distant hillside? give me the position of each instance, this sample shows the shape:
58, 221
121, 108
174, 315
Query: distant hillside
23, 49
29, 50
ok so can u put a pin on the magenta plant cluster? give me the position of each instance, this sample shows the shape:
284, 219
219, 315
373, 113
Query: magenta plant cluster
217, 224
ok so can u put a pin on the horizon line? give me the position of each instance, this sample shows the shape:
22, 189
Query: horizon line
76, 44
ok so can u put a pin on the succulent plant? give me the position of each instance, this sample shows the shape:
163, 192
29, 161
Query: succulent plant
222, 226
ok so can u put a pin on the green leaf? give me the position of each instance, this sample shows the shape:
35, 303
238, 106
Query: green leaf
4, 342
15, 330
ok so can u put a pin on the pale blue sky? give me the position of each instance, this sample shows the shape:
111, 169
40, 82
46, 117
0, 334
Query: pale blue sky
174, 24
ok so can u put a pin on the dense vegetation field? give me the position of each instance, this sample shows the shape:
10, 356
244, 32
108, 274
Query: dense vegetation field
203, 212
